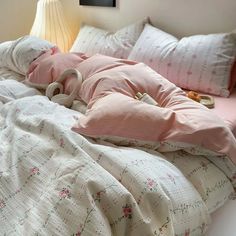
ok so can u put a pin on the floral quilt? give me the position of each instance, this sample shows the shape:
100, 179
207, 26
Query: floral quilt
54, 181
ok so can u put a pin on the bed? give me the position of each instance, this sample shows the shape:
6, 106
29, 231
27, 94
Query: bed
225, 108
66, 172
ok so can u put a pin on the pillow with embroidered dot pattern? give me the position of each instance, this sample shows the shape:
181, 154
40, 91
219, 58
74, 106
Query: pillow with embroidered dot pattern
92, 40
200, 62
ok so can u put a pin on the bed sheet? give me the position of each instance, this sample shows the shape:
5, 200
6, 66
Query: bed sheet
56, 182
225, 108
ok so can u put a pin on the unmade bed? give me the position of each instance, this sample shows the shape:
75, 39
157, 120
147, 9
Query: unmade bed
54, 181
123, 167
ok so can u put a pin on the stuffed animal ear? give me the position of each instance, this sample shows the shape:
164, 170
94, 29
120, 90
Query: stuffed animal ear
55, 91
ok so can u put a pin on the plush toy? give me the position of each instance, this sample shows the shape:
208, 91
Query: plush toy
205, 100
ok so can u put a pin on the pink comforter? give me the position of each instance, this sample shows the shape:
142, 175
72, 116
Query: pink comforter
109, 88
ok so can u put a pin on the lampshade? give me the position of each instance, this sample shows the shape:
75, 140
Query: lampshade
50, 24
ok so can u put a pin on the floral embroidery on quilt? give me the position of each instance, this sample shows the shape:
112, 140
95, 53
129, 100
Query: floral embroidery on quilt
64, 193
76, 182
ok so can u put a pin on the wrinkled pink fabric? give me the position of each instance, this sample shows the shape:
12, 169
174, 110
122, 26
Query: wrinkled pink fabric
47, 68
109, 89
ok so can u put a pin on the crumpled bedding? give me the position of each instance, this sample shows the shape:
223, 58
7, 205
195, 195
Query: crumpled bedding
9, 74
109, 88
17, 55
54, 181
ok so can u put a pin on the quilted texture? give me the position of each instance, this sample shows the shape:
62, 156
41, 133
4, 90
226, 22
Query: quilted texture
205, 176
200, 62
92, 40
11, 89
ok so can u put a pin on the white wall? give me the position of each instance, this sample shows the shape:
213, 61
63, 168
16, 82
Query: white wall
179, 17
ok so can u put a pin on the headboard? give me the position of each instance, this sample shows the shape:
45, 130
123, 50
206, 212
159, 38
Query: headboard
180, 18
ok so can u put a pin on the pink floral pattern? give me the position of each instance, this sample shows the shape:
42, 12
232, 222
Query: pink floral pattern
62, 142
127, 211
65, 193
2, 204
34, 171
82, 188
151, 184
234, 176
187, 232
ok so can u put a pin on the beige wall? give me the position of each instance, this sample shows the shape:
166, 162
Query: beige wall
16, 18
179, 17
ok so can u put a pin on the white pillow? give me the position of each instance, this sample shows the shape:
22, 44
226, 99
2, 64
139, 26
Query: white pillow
18, 54
92, 40
200, 62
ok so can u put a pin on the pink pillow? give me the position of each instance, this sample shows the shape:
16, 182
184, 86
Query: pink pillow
47, 68
113, 111
200, 62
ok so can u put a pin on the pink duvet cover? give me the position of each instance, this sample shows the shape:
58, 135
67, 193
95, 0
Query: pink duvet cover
109, 88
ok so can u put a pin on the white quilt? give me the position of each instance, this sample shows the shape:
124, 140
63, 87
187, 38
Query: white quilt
56, 182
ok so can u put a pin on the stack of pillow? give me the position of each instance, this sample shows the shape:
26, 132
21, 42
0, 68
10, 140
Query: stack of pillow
204, 63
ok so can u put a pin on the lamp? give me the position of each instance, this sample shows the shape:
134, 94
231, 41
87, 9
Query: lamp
50, 24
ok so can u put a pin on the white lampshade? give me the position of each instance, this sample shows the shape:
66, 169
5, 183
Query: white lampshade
50, 24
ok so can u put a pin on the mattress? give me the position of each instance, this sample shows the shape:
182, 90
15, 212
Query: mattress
225, 108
